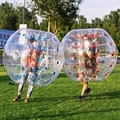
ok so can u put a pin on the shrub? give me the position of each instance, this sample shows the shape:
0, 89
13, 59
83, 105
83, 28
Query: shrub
1, 52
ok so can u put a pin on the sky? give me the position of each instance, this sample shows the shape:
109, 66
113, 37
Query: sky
90, 8
98, 8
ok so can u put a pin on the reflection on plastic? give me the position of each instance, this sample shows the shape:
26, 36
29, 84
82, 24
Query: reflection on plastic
33, 50
90, 54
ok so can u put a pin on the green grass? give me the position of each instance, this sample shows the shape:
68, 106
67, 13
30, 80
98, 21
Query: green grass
58, 101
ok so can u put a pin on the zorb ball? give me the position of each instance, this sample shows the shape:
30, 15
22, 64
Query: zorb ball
90, 54
34, 51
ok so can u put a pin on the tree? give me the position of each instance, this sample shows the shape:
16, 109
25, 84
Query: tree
7, 17
43, 25
58, 13
82, 21
30, 19
111, 23
98, 22
11, 16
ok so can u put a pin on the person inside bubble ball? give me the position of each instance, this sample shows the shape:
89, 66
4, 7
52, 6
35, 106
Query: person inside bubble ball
90, 65
29, 71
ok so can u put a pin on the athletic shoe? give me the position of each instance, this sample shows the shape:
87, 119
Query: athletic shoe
81, 98
26, 100
86, 92
16, 98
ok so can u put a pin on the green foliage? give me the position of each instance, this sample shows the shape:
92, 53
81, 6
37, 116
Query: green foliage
1, 53
57, 13
43, 25
58, 101
119, 55
11, 17
60, 16
61, 35
7, 17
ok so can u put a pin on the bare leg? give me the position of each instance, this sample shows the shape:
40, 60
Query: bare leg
85, 87
85, 91
83, 83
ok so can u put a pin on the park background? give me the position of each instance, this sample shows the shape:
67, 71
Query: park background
61, 16
58, 101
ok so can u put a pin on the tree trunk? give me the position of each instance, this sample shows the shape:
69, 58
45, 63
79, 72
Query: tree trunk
55, 29
49, 24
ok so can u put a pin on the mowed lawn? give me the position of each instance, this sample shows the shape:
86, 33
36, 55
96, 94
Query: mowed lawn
58, 101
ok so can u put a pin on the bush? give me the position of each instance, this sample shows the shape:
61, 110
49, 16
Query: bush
118, 48
1, 52
119, 55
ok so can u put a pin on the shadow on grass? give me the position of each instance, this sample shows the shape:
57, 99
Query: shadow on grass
4, 78
52, 99
68, 113
62, 75
65, 114
109, 95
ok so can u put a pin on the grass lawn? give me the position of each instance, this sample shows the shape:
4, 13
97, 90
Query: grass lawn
58, 101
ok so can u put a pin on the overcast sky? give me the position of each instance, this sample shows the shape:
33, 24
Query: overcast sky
98, 8
91, 8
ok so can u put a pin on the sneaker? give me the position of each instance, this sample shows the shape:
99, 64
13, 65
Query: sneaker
16, 98
81, 98
86, 92
26, 100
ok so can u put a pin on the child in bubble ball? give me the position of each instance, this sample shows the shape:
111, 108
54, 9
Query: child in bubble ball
90, 63
28, 72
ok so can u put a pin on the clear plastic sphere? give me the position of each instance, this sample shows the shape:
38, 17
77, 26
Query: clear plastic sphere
33, 51
90, 54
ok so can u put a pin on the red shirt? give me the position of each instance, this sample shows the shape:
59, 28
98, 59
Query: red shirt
32, 59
